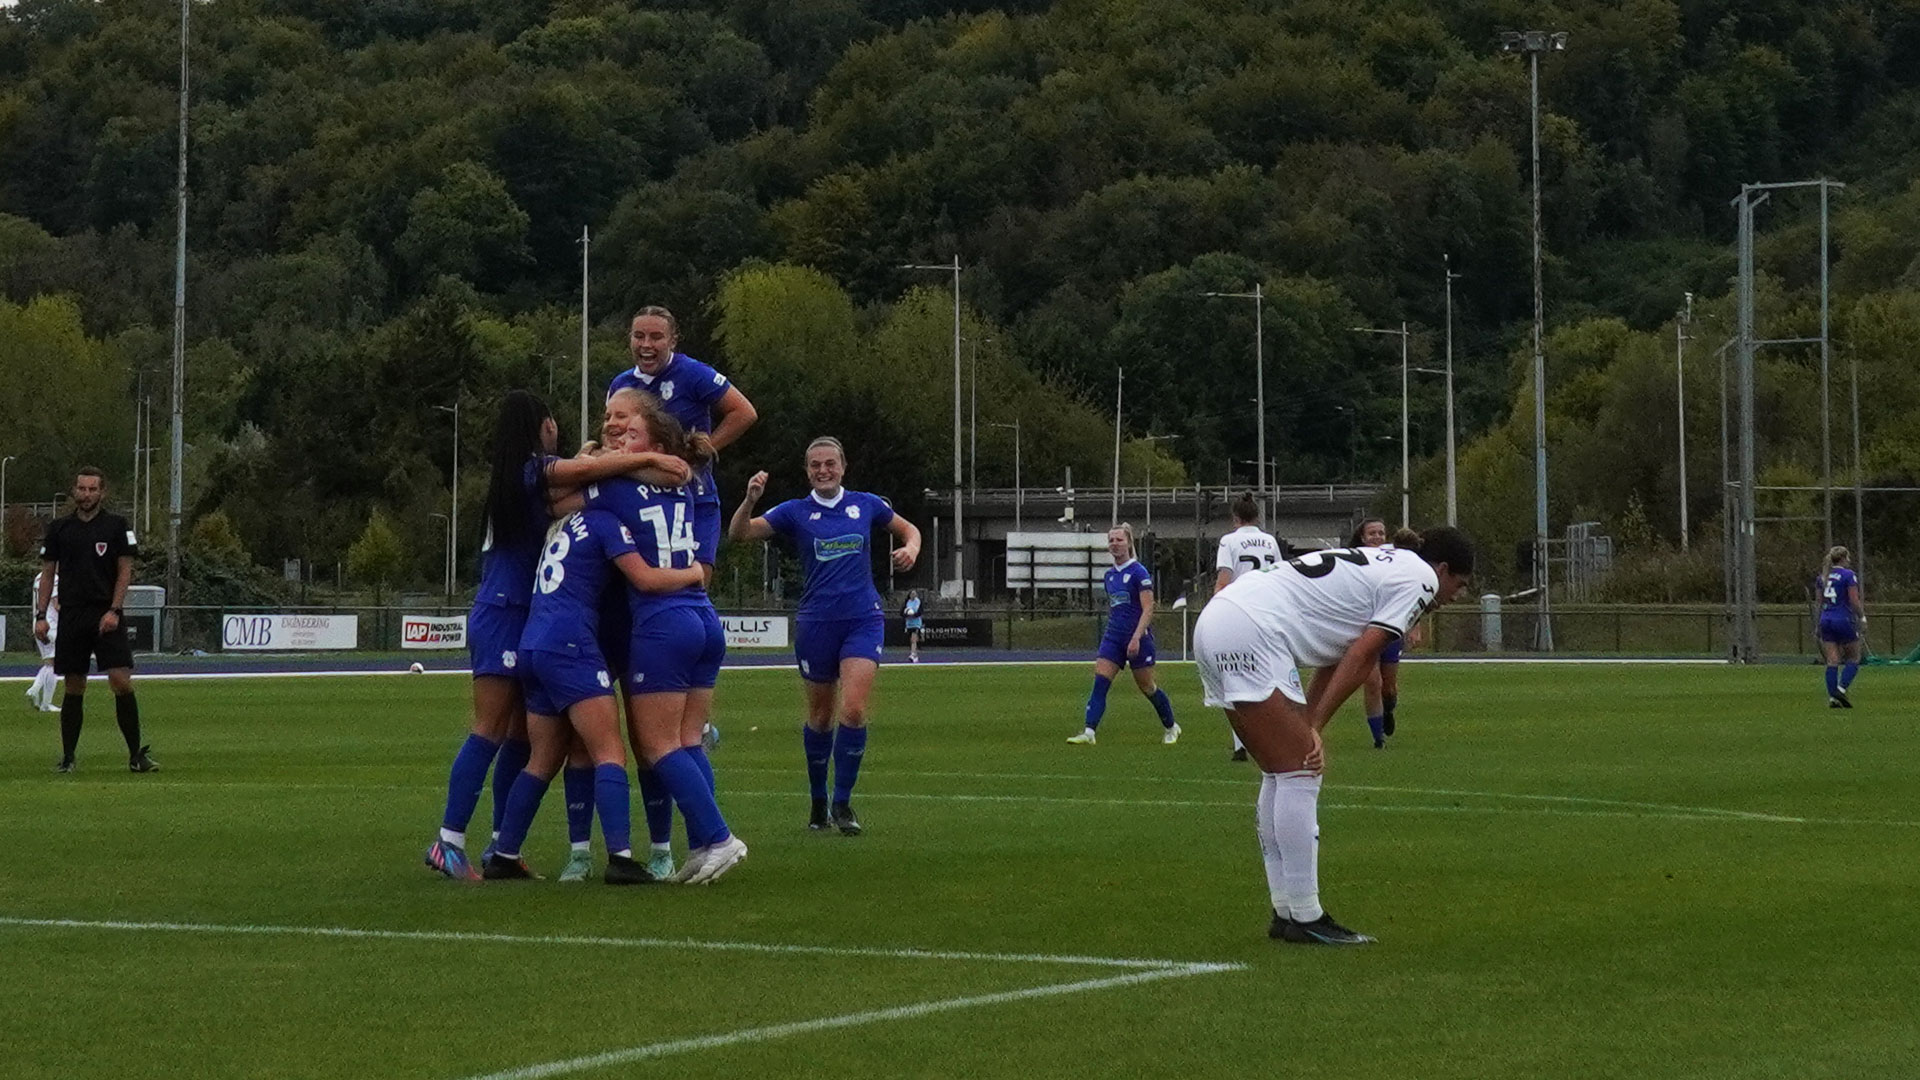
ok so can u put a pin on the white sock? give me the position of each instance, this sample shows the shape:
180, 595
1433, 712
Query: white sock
1269, 849
457, 839
625, 853
584, 845
1296, 833
43, 684
661, 849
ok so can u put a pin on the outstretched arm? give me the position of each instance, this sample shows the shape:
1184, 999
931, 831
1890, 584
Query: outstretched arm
661, 470
744, 525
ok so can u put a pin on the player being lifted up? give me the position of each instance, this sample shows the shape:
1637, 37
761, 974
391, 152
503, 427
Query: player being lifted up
1128, 640
1843, 621
839, 627
1247, 548
1333, 611
524, 465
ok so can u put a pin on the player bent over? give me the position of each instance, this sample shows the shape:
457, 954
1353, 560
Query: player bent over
1330, 610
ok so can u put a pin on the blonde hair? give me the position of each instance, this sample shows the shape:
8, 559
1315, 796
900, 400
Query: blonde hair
664, 431
1835, 556
828, 440
1127, 528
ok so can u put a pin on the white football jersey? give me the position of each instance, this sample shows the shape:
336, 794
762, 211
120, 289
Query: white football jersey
1321, 602
1247, 548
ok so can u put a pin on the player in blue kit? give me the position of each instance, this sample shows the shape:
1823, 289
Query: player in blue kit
516, 517
1382, 689
677, 644
838, 629
569, 692
1128, 639
1842, 622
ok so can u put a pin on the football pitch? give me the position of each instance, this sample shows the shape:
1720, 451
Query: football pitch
1573, 871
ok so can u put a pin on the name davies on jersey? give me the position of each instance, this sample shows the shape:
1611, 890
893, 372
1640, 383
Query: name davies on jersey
836, 547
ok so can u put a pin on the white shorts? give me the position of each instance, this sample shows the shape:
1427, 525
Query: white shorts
1241, 661
53, 635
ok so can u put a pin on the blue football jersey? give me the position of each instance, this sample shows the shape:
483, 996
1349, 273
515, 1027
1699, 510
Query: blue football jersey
1833, 594
689, 389
574, 567
506, 567
1124, 585
661, 521
833, 539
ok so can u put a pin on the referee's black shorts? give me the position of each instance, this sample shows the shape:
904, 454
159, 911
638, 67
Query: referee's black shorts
80, 642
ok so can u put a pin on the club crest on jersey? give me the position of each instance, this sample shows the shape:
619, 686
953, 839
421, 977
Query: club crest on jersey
605, 682
100, 548
853, 512
666, 391
508, 659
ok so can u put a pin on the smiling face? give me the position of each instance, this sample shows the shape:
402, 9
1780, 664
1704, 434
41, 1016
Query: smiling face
651, 341
622, 410
1119, 546
825, 469
636, 438
1373, 534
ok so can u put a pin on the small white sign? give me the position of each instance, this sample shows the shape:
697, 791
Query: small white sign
433, 631
288, 633
755, 632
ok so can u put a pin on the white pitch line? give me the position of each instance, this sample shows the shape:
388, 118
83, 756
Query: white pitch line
473, 937
830, 1023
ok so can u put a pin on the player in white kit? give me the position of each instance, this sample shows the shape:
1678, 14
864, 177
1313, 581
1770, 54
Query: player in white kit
1245, 549
1333, 611
45, 682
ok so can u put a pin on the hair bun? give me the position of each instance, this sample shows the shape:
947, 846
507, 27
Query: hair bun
1406, 539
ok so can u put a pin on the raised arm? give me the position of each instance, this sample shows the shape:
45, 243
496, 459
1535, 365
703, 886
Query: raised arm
744, 525
908, 551
733, 414
647, 577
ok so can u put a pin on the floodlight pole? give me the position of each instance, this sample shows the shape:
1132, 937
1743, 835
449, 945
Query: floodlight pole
959, 522
175, 475
1018, 491
1453, 501
1258, 297
1680, 406
586, 247
1406, 460
1119, 395
1533, 43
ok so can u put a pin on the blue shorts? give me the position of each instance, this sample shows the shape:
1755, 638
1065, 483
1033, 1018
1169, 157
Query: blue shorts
914, 625
1391, 654
706, 532
675, 650
493, 639
820, 644
1114, 651
555, 681
1838, 631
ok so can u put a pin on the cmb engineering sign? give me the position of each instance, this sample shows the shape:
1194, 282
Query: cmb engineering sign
433, 631
257, 633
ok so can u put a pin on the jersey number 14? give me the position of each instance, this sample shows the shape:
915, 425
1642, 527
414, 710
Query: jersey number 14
675, 541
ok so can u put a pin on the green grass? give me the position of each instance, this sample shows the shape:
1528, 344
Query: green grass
1653, 913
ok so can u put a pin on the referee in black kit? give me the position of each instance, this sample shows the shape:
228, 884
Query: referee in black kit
92, 551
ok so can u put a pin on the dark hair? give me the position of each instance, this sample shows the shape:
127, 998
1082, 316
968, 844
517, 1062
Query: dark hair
666, 432
1360, 531
1246, 509
1440, 544
93, 471
658, 312
510, 516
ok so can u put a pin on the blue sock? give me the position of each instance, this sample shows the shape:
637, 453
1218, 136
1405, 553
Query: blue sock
468, 777
1163, 706
699, 755
1847, 673
819, 746
1097, 701
1833, 681
579, 787
1377, 725
522, 803
614, 799
506, 769
849, 746
658, 806
684, 781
